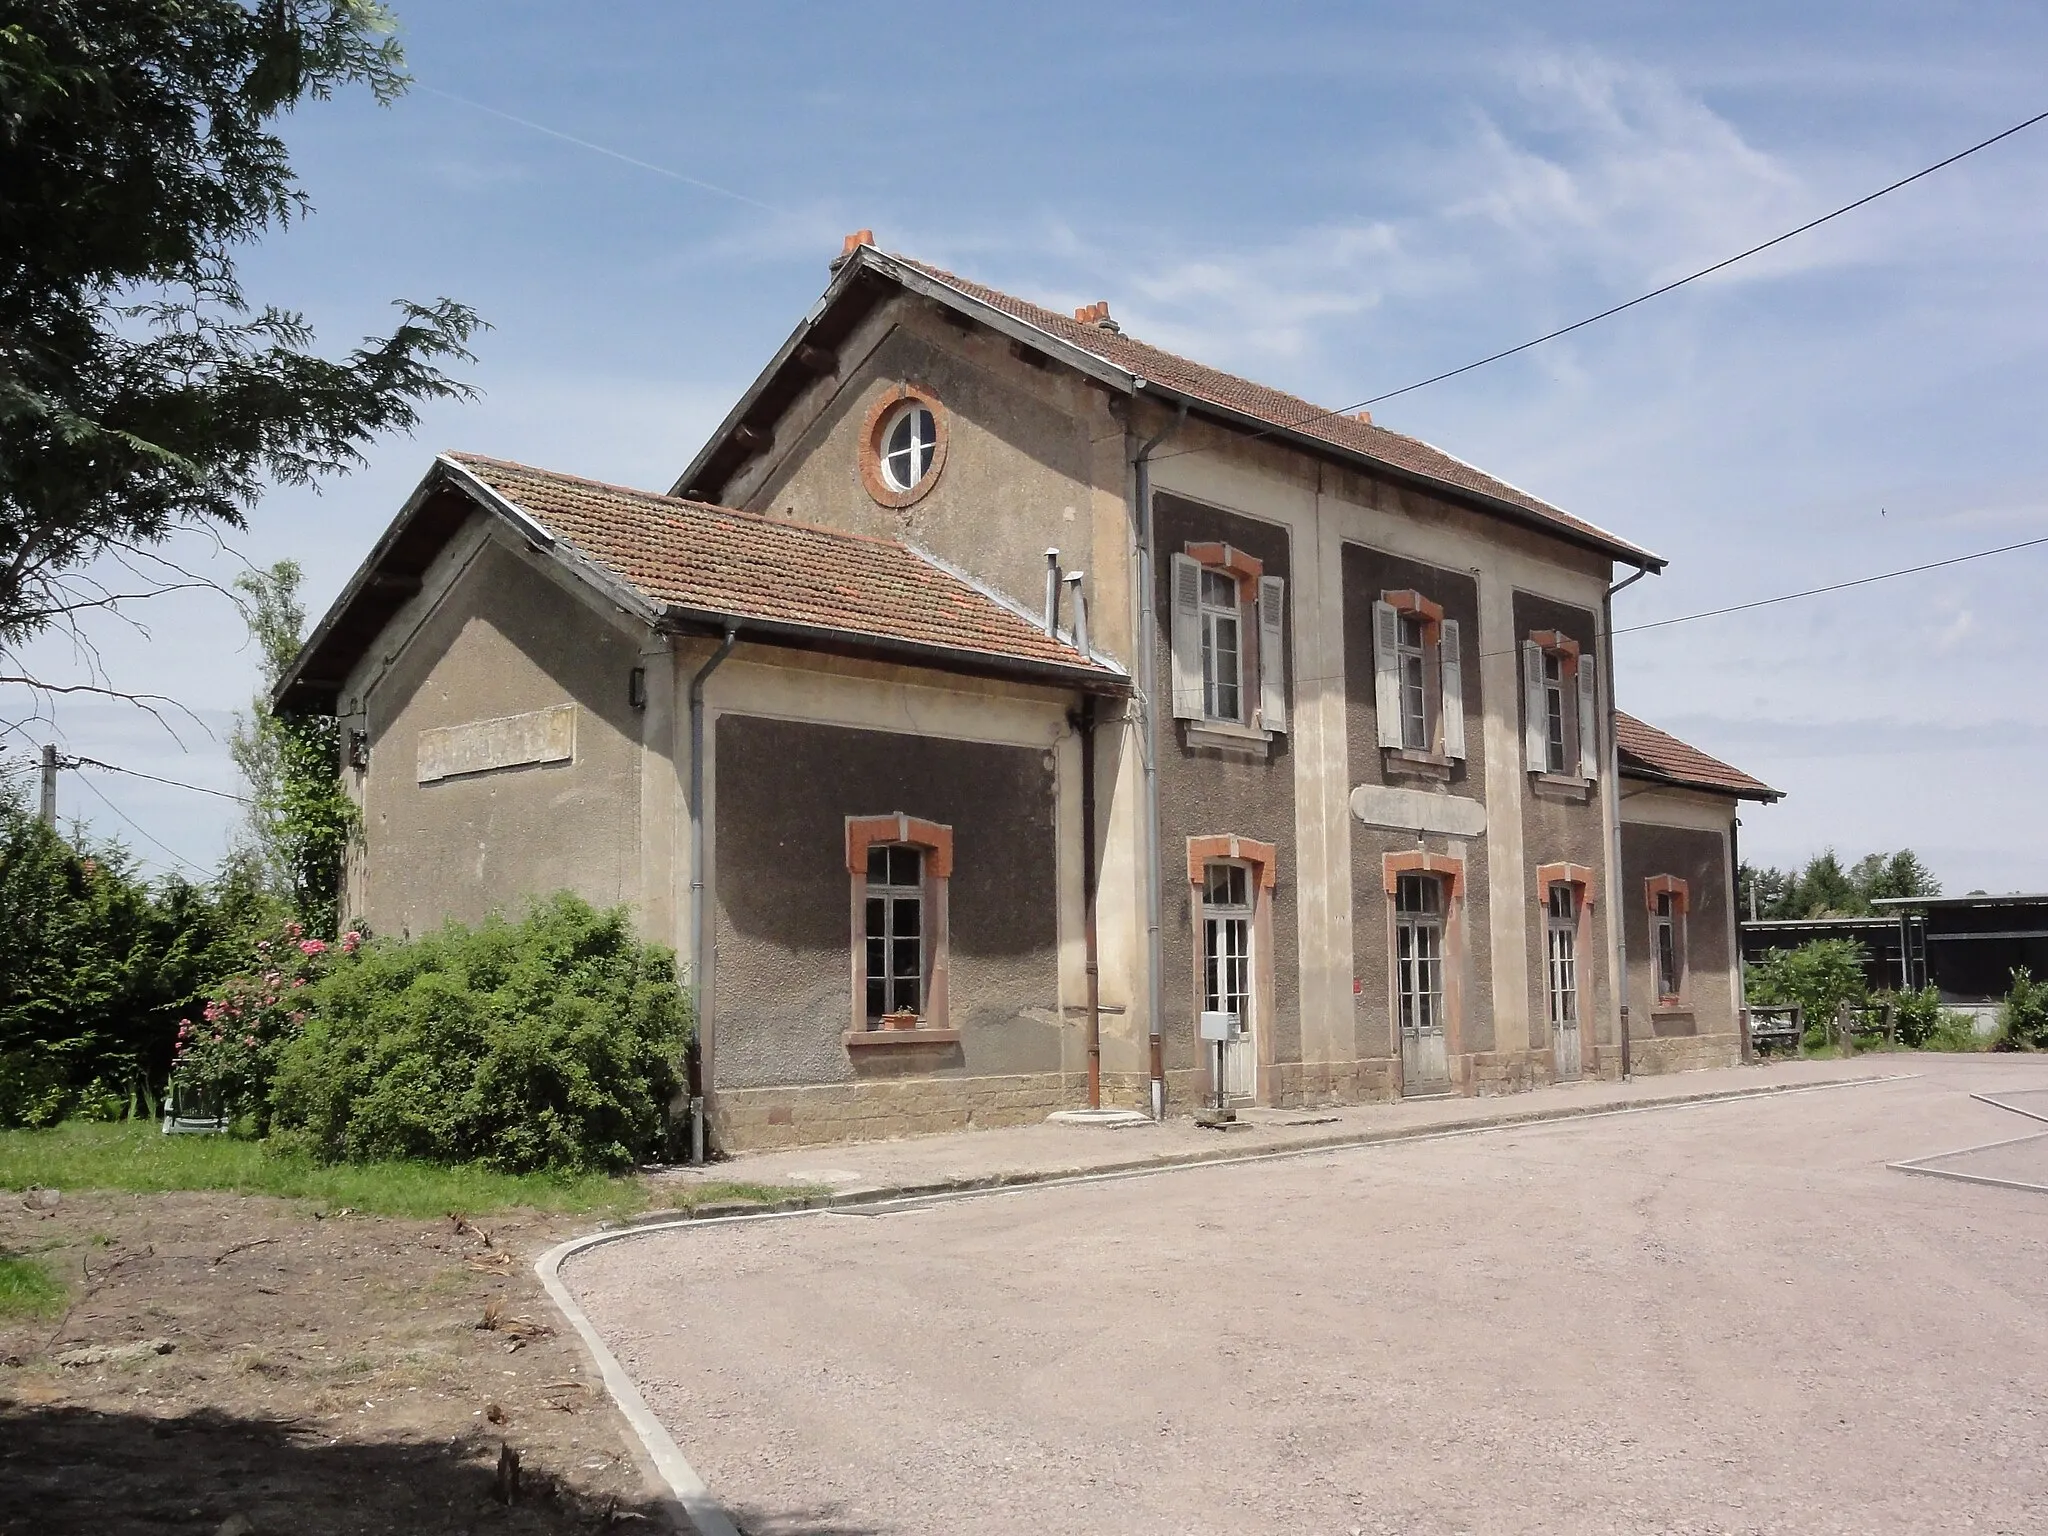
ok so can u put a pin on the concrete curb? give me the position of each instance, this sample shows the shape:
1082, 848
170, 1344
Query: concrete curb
693, 1498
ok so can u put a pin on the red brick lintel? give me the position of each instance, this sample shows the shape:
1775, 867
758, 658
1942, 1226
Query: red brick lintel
1417, 862
1579, 875
1667, 885
1204, 850
936, 840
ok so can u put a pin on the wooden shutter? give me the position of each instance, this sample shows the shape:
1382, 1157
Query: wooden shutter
1386, 671
1273, 653
1451, 668
1589, 719
1187, 638
1535, 724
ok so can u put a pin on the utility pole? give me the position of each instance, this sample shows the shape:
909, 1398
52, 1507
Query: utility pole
49, 809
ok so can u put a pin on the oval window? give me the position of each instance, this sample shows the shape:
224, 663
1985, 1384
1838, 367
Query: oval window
909, 441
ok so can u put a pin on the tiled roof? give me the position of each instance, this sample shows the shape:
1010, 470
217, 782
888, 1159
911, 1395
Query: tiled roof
1271, 406
717, 561
1666, 757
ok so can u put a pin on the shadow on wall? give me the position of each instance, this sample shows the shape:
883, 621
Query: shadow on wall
72, 1471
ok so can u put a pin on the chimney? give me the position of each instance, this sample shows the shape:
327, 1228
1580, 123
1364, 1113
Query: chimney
1364, 416
1074, 579
852, 243
1052, 592
1097, 315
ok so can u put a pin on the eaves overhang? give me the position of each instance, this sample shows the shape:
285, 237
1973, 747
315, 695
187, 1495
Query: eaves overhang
1763, 794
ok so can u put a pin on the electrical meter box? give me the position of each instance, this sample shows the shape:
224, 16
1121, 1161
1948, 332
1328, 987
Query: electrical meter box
1219, 1026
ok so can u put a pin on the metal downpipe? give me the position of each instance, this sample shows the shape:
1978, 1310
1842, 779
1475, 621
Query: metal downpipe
1614, 801
700, 924
1148, 739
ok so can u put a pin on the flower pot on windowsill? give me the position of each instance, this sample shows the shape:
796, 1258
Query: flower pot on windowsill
902, 1018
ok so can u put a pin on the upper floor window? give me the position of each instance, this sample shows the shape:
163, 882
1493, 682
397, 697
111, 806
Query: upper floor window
1229, 640
1222, 655
1419, 676
909, 441
1560, 703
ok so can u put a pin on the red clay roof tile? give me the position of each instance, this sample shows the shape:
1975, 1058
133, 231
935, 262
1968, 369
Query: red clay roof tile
1271, 406
715, 560
1666, 757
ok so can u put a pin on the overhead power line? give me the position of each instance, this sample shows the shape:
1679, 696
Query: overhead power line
1644, 298
141, 830
1839, 586
137, 773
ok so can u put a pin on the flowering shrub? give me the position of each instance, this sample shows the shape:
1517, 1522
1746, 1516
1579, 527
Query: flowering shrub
547, 1043
227, 1056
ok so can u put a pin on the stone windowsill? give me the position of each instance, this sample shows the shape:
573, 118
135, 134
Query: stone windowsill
1559, 786
1229, 736
1420, 765
1671, 1008
857, 1039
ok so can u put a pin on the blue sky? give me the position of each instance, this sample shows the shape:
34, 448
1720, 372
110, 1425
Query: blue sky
1334, 199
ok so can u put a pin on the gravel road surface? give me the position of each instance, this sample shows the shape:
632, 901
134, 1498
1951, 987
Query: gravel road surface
1725, 1318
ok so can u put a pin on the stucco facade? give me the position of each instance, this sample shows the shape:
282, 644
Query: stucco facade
1350, 732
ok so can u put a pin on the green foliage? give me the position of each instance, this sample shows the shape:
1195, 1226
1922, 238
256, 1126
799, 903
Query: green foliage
96, 970
2023, 1016
1817, 977
227, 1056
140, 1158
299, 821
1956, 1031
550, 1043
27, 1288
1823, 888
139, 389
1917, 1015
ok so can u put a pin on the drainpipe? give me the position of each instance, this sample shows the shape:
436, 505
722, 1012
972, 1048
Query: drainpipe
700, 926
1614, 800
1148, 748
1085, 723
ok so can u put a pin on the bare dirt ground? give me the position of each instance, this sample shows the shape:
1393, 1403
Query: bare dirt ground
327, 1375
1717, 1319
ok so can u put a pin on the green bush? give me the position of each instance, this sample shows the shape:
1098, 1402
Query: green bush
1818, 977
1917, 1015
1956, 1031
2023, 1016
551, 1043
96, 968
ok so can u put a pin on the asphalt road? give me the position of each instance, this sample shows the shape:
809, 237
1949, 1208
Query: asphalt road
1722, 1318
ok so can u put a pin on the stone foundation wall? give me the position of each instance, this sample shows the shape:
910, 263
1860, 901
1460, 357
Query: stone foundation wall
1683, 1053
758, 1119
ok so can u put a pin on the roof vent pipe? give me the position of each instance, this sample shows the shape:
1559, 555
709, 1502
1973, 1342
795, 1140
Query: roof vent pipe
1074, 579
1052, 592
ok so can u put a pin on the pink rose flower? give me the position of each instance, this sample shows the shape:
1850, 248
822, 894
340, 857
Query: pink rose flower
312, 947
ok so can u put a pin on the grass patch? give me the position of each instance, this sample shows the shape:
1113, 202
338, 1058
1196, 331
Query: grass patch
139, 1158
28, 1289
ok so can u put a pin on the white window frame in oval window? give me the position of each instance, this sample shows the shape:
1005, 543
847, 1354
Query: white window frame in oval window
922, 445
885, 418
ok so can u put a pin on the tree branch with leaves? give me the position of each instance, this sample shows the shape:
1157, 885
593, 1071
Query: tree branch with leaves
141, 392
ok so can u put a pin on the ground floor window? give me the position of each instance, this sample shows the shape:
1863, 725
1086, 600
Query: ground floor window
1419, 954
1667, 935
1227, 940
895, 931
1561, 950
